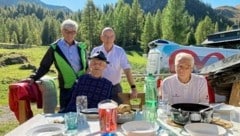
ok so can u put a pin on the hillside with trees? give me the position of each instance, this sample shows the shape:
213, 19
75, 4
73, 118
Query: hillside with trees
8, 3
232, 13
34, 24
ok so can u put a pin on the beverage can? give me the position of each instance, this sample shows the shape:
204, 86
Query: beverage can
107, 110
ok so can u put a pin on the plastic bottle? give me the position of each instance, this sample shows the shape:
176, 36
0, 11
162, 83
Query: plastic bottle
150, 108
150, 91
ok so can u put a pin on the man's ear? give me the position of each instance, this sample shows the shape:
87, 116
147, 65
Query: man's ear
101, 38
105, 66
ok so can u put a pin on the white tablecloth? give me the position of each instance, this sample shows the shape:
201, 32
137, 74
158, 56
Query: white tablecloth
94, 129
41, 119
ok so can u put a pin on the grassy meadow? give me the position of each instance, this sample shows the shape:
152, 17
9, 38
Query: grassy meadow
12, 73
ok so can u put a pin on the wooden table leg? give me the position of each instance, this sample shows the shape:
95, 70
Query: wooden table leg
22, 112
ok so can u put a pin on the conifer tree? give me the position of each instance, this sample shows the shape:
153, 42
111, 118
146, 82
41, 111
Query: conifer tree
216, 27
204, 28
147, 34
121, 24
136, 20
174, 22
45, 33
14, 38
157, 33
90, 22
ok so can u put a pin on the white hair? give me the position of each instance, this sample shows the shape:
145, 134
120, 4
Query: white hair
107, 29
183, 55
69, 24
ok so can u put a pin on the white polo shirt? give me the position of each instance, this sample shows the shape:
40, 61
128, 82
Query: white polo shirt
195, 91
118, 62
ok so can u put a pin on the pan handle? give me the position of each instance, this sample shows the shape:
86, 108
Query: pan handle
210, 107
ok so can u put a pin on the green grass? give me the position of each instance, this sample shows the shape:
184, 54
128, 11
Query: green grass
7, 126
12, 73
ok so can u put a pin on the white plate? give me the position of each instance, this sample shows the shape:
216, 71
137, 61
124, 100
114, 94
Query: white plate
46, 130
139, 128
204, 129
90, 111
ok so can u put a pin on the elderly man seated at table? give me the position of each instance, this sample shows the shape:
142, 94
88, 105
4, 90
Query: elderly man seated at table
184, 86
92, 85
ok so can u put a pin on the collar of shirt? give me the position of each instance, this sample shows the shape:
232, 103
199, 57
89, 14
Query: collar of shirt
64, 43
71, 53
181, 83
105, 52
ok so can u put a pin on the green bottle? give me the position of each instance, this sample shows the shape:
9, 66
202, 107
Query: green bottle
150, 91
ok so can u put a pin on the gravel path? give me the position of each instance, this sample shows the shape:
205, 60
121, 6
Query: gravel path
6, 114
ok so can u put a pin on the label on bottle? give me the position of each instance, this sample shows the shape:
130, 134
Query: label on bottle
151, 92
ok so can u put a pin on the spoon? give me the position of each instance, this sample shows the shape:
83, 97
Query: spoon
210, 107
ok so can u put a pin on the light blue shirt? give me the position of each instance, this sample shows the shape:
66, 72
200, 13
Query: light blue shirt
71, 53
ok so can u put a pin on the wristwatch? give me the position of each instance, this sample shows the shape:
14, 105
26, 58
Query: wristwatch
133, 86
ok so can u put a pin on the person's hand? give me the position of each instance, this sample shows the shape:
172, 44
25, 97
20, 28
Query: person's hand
134, 93
29, 80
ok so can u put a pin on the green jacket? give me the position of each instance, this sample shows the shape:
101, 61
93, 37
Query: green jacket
66, 74
69, 76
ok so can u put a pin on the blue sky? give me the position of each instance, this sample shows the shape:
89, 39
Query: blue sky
217, 3
79, 4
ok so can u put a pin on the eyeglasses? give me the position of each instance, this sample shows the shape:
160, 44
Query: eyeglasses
182, 67
97, 62
108, 36
69, 32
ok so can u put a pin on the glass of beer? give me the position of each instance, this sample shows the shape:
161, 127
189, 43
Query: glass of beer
107, 111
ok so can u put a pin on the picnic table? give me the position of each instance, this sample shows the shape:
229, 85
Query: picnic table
94, 128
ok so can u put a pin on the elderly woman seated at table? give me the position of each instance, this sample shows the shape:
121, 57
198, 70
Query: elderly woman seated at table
184, 86
92, 85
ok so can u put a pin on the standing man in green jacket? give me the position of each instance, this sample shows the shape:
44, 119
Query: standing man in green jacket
70, 59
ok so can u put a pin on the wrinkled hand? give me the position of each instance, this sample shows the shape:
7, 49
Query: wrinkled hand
134, 93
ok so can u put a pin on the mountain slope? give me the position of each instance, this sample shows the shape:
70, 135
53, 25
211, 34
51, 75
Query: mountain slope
38, 2
232, 13
195, 8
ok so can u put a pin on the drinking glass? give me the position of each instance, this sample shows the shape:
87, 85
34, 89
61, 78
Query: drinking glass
136, 105
216, 116
70, 119
81, 103
235, 120
163, 108
107, 111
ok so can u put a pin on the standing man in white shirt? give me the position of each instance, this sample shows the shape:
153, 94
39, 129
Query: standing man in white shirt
185, 86
118, 62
